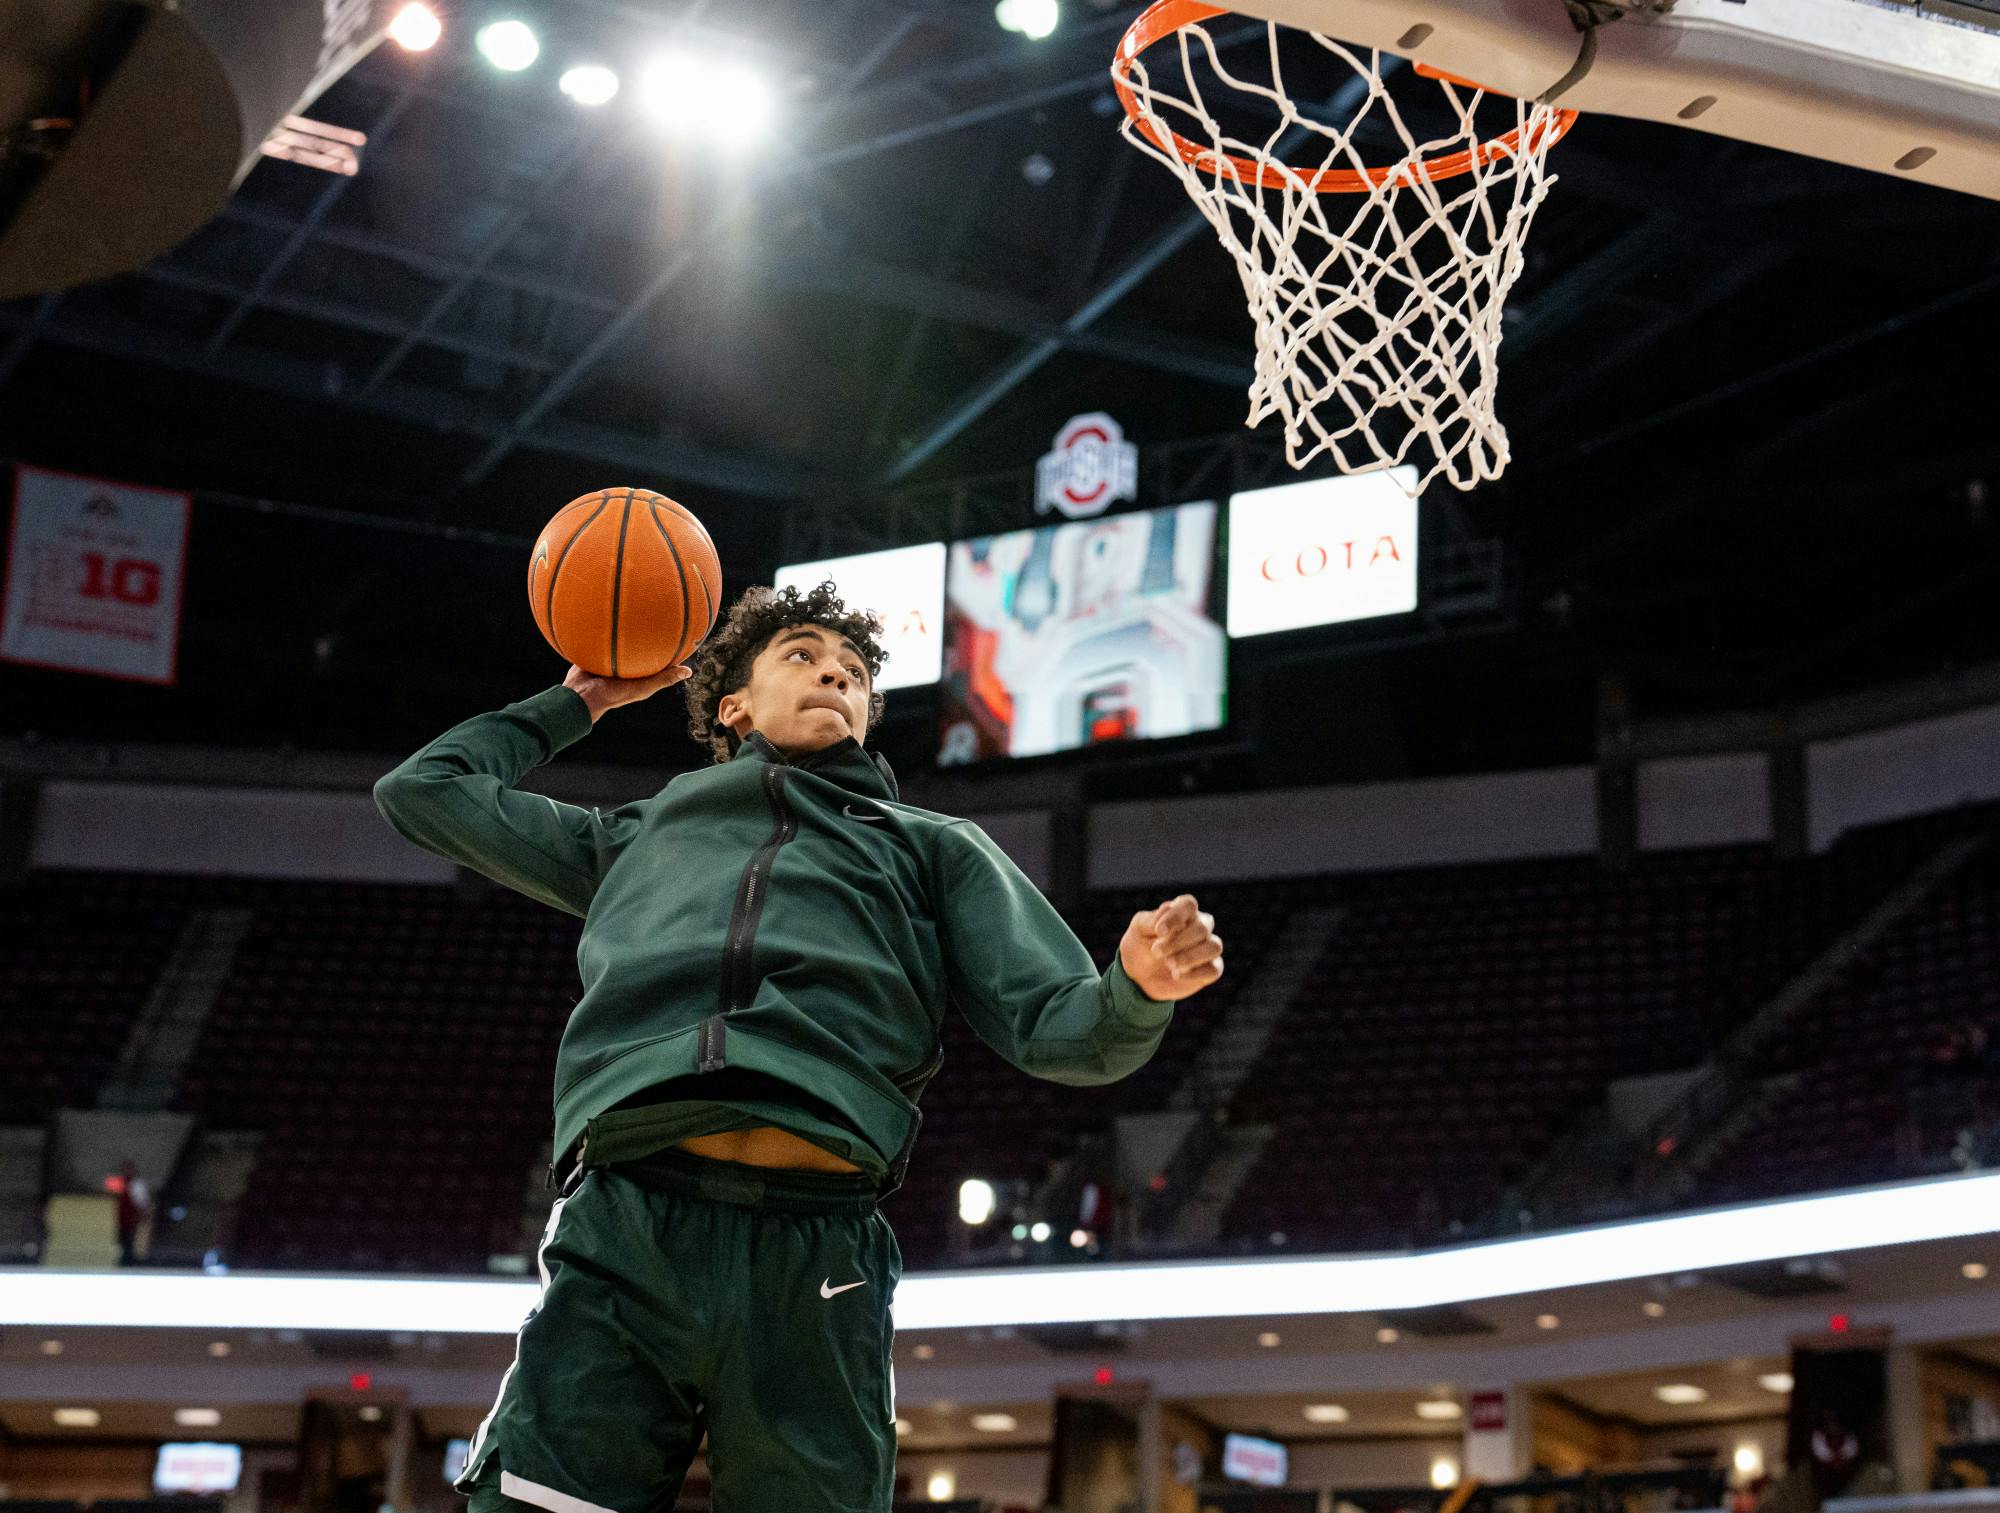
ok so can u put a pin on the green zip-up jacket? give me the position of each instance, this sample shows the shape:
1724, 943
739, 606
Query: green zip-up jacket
790, 917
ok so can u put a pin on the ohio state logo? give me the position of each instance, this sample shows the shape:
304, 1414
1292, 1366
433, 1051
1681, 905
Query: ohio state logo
1092, 465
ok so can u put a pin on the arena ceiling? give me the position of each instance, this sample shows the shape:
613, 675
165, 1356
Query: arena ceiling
1749, 394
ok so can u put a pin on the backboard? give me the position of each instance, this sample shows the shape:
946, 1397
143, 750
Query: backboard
1911, 90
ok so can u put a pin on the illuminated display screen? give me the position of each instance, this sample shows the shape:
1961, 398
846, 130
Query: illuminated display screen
1070, 635
1322, 553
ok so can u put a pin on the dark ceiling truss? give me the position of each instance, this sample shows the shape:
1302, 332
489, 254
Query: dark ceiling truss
673, 267
984, 394
103, 330
323, 203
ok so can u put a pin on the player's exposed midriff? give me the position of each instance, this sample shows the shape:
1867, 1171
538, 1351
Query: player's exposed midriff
766, 1146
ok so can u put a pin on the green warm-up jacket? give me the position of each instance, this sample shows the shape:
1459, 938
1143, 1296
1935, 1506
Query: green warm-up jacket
785, 916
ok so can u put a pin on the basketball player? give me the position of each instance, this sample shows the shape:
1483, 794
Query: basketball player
767, 951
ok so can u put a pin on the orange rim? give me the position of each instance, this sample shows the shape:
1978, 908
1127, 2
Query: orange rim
1165, 17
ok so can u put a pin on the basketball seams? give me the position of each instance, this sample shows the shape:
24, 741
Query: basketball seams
680, 567
618, 577
555, 573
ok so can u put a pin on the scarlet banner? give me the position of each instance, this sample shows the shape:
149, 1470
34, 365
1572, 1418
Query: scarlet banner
94, 572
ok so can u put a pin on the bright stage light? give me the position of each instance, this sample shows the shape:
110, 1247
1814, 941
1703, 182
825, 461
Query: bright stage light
508, 45
589, 84
416, 28
1033, 19
975, 1201
723, 103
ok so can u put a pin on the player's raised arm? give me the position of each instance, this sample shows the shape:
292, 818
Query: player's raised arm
456, 797
1029, 987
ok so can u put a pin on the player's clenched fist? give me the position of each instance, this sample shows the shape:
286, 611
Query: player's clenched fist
1173, 951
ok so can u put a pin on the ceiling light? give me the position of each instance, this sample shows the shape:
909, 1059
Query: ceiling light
1033, 19
1444, 1473
1776, 1381
1680, 1393
924, 1352
1268, 1339
1973, 1271
371, 1413
1439, 1409
79, 1418
589, 84
1078, 1238
1326, 1413
509, 46
1386, 1336
197, 1418
416, 28
902, 1427
219, 1349
727, 103
942, 1486
994, 1423
1039, 1231
1546, 1321
1749, 1459
52, 1347
976, 1201
1653, 1309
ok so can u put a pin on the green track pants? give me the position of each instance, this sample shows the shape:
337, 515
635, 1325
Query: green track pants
683, 1296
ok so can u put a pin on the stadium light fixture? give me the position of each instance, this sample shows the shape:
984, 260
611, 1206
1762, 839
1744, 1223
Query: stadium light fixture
509, 46
416, 28
1033, 19
976, 1201
1865, 1219
726, 104
589, 84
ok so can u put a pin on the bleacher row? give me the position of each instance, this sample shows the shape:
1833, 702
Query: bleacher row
395, 1044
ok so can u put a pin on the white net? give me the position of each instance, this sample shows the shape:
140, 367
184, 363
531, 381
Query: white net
1378, 310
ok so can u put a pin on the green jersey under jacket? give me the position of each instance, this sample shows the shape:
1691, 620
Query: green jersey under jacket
789, 917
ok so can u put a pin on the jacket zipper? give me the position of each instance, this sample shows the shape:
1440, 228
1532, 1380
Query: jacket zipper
751, 892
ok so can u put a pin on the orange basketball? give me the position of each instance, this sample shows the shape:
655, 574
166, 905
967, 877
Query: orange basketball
624, 583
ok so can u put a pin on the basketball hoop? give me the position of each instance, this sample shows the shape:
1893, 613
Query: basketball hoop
1377, 327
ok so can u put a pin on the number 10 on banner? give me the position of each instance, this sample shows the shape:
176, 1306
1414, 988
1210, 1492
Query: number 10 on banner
93, 578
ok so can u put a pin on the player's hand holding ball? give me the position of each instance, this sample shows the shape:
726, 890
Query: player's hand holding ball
624, 584
1172, 952
608, 693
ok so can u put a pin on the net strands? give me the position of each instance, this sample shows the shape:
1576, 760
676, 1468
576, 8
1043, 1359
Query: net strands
1377, 288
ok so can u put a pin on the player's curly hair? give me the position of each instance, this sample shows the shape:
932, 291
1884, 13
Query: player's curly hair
760, 613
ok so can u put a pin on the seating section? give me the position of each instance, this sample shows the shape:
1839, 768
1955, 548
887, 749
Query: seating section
395, 1043
79, 952
1893, 1062
1459, 1020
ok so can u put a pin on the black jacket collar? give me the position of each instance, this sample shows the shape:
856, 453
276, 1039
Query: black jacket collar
844, 762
